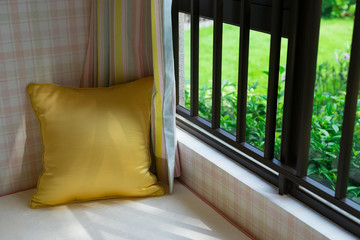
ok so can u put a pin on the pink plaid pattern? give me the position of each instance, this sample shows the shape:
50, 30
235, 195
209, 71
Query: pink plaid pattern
244, 206
40, 41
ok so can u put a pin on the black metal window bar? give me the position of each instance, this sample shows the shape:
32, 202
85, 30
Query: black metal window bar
299, 22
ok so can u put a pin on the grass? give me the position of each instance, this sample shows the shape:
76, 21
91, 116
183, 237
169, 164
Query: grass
335, 35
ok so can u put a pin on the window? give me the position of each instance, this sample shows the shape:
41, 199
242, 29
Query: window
251, 77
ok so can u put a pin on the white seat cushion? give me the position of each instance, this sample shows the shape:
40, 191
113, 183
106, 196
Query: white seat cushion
178, 216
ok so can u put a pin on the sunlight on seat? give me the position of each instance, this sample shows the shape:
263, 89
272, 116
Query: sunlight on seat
165, 214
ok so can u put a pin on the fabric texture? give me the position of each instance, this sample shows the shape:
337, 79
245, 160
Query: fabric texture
133, 39
40, 41
95, 142
119, 47
164, 139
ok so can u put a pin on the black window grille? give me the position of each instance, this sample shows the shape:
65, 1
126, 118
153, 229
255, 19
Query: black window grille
299, 22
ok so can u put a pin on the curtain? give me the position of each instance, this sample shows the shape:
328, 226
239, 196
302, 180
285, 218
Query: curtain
133, 39
164, 117
119, 48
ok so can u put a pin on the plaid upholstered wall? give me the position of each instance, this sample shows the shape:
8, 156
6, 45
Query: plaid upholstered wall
40, 41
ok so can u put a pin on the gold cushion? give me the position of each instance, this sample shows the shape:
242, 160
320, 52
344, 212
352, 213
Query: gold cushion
95, 142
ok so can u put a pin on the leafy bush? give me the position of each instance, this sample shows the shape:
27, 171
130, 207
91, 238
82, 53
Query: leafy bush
338, 8
328, 110
329, 102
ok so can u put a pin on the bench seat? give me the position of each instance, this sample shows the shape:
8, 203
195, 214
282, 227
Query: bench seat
181, 215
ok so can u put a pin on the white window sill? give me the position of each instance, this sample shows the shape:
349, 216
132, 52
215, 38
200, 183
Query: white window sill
312, 219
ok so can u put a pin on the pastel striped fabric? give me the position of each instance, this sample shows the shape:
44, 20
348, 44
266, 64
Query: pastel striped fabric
40, 41
130, 40
164, 139
119, 43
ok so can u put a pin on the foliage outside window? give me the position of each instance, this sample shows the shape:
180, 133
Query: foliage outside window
329, 100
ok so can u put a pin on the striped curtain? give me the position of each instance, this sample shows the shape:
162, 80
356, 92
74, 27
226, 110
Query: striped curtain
130, 39
119, 43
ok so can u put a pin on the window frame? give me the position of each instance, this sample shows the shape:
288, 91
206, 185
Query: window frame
299, 22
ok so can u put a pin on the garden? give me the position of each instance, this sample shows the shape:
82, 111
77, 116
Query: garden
329, 95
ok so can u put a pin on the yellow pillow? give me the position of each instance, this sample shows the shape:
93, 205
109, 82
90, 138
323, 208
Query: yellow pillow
95, 142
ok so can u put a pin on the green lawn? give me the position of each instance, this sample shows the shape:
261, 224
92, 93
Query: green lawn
335, 35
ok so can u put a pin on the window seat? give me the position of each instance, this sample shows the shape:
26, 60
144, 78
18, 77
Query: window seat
181, 215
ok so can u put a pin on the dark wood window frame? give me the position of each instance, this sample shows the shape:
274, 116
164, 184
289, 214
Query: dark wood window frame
299, 22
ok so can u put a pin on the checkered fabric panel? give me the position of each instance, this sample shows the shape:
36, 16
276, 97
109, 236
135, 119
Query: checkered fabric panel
40, 41
240, 203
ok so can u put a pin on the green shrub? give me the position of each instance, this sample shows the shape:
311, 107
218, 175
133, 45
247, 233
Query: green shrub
338, 8
329, 102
